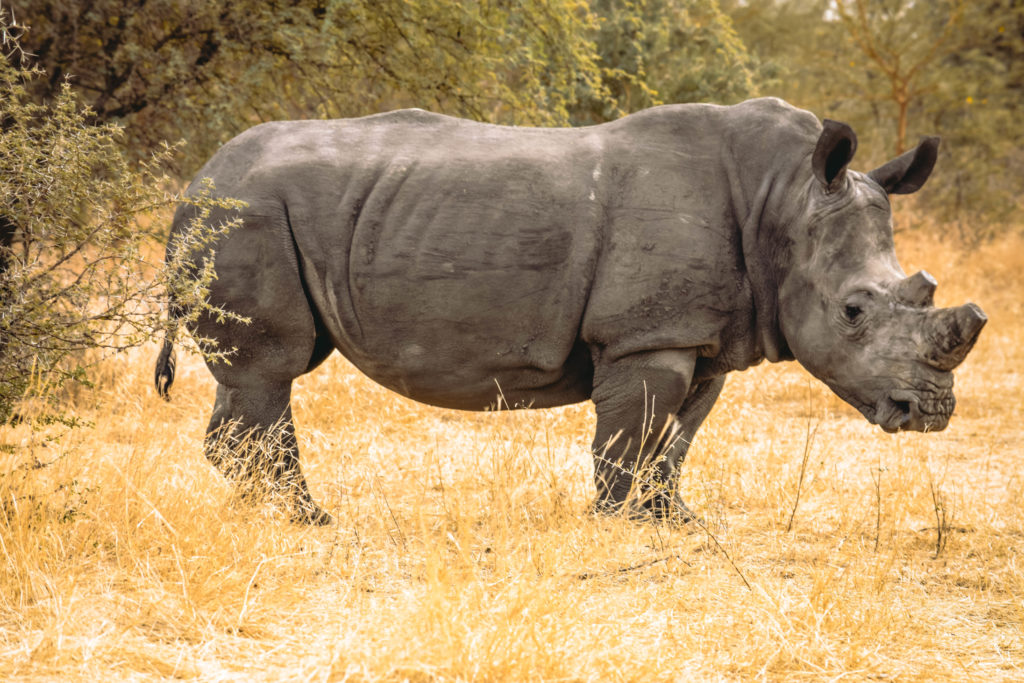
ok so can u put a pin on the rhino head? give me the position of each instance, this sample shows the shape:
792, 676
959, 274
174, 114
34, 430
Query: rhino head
848, 312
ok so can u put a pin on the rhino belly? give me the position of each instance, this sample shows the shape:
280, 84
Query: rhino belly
456, 327
474, 303
452, 375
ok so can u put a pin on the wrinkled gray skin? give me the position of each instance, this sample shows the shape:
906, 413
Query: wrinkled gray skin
632, 263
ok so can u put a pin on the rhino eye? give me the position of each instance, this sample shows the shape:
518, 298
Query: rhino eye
852, 312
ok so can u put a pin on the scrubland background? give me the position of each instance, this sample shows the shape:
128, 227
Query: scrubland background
463, 550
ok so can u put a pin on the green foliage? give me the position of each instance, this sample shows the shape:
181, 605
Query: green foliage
899, 69
75, 280
509, 62
657, 51
898, 45
976, 107
208, 70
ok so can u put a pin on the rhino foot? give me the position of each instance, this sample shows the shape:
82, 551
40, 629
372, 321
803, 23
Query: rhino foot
298, 508
669, 508
657, 509
311, 514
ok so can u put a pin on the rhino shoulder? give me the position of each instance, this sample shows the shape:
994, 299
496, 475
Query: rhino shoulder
774, 112
413, 116
255, 138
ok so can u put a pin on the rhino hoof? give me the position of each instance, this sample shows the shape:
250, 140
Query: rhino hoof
311, 514
671, 510
657, 510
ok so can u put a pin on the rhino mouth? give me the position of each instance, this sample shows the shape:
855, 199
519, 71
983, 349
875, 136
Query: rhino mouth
904, 410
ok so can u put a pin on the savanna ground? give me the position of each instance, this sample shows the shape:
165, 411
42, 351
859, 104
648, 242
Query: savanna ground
462, 549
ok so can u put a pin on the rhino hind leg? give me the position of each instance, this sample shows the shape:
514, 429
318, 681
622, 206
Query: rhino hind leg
640, 437
251, 440
251, 435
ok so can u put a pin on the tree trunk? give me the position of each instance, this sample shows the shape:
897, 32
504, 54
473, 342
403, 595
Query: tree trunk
901, 126
8, 228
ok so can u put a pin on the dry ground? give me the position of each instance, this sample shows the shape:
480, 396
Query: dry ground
463, 551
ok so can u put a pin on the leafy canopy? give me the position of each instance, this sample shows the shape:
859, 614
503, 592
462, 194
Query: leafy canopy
899, 69
208, 70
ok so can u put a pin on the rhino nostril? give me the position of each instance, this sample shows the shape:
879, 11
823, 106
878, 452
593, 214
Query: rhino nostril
904, 410
907, 410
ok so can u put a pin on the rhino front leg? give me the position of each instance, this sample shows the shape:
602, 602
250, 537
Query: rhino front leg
251, 440
638, 398
666, 502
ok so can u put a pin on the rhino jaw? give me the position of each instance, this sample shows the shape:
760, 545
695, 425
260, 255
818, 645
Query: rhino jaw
904, 410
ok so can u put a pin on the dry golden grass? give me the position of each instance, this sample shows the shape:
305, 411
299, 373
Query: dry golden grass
463, 551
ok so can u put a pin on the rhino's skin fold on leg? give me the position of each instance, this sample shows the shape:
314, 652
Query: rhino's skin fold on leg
634, 263
635, 397
251, 440
667, 504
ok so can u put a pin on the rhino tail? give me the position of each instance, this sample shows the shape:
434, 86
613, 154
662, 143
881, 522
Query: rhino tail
163, 375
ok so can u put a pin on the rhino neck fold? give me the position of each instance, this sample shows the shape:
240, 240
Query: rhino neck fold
767, 156
759, 254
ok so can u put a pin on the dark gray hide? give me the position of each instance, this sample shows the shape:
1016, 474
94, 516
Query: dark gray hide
633, 263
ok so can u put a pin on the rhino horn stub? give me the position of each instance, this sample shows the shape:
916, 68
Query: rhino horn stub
950, 335
918, 289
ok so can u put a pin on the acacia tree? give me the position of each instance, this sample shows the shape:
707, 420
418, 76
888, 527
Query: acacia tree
895, 69
976, 107
164, 68
903, 43
74, 274
657, 51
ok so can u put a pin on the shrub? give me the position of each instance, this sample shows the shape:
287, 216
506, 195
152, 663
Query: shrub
77, 281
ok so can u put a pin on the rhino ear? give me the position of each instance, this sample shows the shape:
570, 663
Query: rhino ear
833, 153
907, 172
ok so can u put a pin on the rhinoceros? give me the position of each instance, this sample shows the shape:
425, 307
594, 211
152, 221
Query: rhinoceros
633, 263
